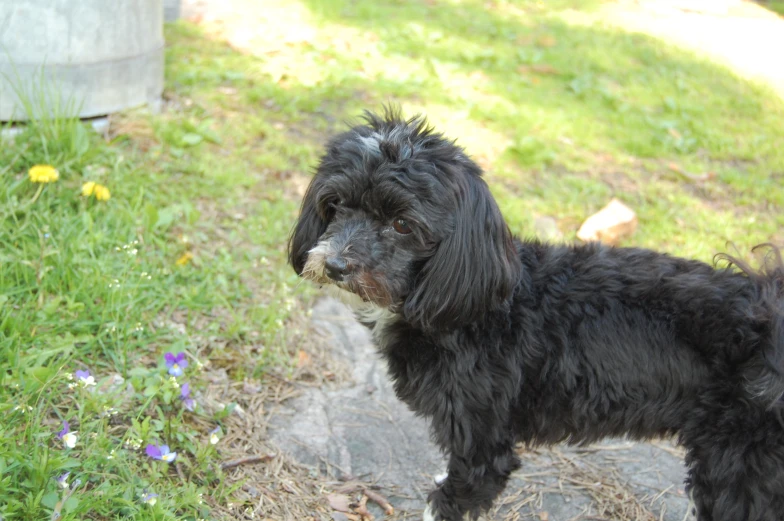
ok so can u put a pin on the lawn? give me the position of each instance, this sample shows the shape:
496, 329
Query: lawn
188, 253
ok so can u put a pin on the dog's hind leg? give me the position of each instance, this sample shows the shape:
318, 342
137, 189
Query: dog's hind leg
737, 466
472, 484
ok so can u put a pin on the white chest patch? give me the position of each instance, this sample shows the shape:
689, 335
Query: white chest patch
366, 312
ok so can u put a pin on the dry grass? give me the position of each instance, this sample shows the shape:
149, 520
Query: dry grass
270, 484
573, 475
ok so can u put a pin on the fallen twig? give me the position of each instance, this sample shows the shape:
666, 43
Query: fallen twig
246, 461
362, 510
380, 500
697, 178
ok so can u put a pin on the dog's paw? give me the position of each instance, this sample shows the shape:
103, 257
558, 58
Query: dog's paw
438, 479
430, 515
691, 514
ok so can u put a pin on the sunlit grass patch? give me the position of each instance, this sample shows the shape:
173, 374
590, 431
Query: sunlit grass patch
81, 282
560, 95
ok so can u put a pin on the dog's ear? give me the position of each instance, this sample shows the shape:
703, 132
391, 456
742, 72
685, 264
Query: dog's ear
310, 226
473, 271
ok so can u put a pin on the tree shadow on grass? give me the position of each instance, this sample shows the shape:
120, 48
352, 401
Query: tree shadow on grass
537, 76
565, 106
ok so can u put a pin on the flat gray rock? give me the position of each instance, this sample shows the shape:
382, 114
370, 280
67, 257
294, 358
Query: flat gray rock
361, 430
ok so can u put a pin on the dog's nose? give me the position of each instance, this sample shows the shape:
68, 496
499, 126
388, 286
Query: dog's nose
336, 268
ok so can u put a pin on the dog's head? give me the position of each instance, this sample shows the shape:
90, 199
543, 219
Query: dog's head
399, 216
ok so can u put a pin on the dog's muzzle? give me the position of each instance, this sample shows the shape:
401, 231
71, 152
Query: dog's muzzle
336, 268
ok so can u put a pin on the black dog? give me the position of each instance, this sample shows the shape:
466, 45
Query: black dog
500, 341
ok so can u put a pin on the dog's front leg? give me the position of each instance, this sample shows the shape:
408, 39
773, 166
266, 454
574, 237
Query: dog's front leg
472, 483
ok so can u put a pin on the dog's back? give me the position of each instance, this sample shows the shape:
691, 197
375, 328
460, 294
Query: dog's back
644, 344
765, 373
650, 328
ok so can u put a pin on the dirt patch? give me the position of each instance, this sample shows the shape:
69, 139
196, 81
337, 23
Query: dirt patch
272, 484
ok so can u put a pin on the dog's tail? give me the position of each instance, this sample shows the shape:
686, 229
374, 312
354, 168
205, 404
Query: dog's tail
765, 374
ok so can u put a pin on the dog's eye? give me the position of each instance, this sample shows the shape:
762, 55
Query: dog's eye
401, 226
330, 207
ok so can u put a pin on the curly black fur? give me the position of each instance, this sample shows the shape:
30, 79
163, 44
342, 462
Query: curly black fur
500, 341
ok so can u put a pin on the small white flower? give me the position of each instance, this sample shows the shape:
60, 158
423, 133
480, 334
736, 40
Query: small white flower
69, 440
169, 457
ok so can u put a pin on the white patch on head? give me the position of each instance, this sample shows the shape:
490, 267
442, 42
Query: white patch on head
398, 135
371, 143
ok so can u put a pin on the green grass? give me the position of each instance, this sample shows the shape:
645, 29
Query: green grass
96, 285
777, 6
563, 112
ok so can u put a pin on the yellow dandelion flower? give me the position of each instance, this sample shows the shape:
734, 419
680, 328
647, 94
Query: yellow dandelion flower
99, 191
88, 188
102, 193
43, 174
185, 259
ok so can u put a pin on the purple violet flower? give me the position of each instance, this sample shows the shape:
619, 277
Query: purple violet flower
185, 396
62, 479
176, 364
84, 378
160, 453
69, 438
